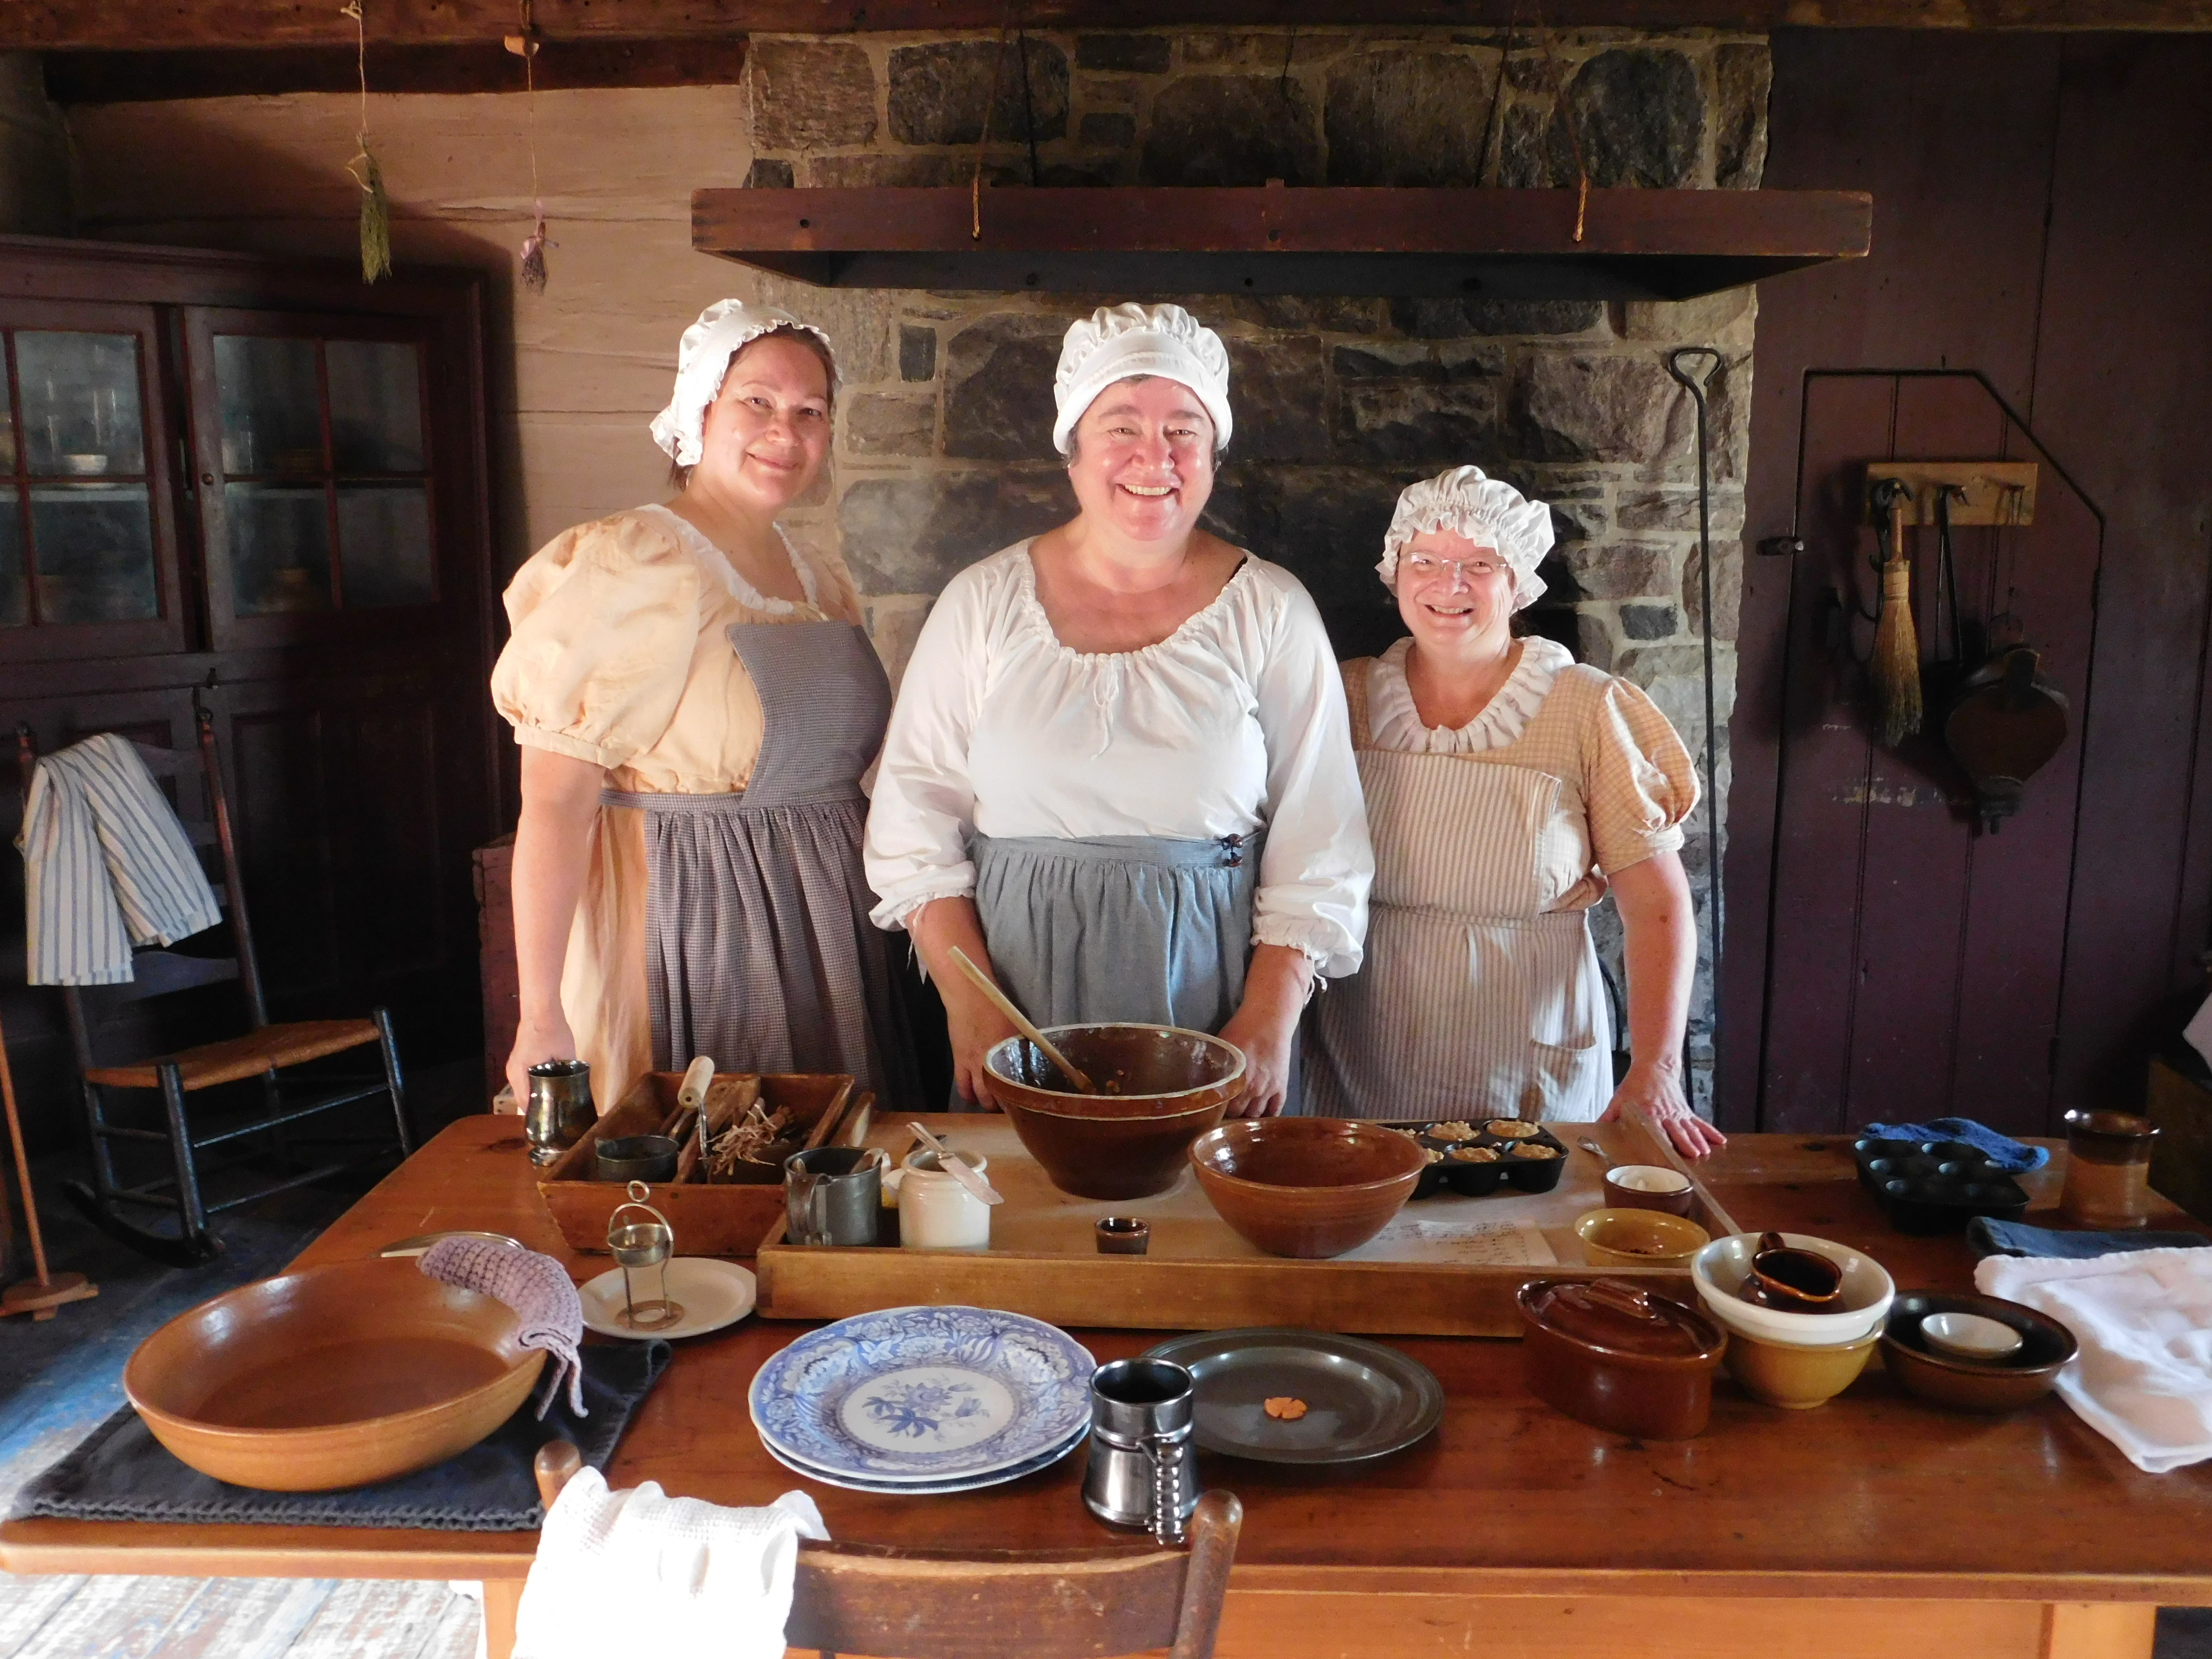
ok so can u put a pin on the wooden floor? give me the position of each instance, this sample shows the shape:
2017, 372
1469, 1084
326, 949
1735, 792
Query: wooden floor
234, 1619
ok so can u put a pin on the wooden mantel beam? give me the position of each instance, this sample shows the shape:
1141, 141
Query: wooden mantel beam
182, 25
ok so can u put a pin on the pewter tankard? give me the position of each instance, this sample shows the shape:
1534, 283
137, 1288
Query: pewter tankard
1140, 1470
559, 1112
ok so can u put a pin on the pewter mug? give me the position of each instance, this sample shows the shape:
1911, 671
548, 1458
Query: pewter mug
1141, 1472
559, 1112
833, 1194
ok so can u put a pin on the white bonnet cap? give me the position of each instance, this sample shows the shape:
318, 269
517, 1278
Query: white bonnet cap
724, 329
1116, 341
1483, 509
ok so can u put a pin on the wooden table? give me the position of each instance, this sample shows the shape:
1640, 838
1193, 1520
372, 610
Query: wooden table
1872, 1527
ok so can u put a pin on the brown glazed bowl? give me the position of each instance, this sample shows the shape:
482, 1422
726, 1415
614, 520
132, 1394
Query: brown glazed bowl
1974, 1385
1169, 1087
1311, 1186
1619, 1357
331, 1376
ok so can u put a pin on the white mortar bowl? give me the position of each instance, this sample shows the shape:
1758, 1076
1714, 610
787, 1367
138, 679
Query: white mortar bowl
1721, 1267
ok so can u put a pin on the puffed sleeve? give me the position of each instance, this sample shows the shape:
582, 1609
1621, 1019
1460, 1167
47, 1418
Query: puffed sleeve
1640, 781
923, 809
1317, 864
604, 621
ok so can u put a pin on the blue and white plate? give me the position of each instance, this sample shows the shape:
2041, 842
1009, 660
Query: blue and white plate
929, 1488
927, 1394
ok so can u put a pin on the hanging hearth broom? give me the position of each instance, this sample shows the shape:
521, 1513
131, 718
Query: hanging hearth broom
1896, 664
375, 209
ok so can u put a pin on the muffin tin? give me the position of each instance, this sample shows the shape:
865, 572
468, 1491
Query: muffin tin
1935, 1186
1479, 1178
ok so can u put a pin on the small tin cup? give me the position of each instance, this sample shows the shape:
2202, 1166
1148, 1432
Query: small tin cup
636, 1158
1124, 1235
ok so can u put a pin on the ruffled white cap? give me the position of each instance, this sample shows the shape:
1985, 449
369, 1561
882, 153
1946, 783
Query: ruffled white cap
1115, 342
1484, 510
724, 329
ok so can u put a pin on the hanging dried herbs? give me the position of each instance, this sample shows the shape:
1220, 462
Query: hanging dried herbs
375, 207
524, 45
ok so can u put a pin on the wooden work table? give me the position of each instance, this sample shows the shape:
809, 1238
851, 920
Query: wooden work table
1873, 1522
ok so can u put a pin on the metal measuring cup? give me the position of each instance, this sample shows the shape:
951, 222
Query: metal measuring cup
639, 1244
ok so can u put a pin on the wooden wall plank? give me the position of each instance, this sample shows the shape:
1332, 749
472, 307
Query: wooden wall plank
2124, 395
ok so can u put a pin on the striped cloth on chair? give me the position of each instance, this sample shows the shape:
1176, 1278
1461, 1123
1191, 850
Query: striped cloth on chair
106, 866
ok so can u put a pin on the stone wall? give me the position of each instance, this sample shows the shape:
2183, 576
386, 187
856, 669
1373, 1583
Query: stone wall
944, 434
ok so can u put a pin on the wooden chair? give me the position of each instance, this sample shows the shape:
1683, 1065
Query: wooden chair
262, 1052
1000, 1604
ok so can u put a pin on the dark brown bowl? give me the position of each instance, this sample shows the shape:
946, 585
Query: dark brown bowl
1140, 1071
1311, 1186
1974, 1385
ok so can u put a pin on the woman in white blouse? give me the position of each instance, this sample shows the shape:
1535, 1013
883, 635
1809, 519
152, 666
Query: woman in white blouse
1508, 788
1119, 774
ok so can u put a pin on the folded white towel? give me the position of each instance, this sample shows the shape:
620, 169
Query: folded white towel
639, 1571
2144, 1322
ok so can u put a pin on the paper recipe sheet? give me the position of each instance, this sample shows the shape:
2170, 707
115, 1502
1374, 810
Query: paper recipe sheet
1463, 1243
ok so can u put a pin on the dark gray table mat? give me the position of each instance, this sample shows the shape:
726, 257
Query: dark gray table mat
121, 1473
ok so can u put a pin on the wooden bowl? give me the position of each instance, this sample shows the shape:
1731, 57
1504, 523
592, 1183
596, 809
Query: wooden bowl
1311, 1186
331, 1376
1169, 1087
1974, 1385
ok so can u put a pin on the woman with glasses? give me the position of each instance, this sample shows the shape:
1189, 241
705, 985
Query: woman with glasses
1508, 789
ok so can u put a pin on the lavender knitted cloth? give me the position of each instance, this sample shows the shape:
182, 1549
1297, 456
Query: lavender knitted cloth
537, 1287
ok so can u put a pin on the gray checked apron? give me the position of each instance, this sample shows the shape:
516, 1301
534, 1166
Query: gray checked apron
758, 948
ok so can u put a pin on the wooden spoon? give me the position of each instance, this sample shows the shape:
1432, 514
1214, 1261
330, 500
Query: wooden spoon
958, 1167
1019, 1021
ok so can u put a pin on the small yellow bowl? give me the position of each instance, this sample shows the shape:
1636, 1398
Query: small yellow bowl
1793, 1375
1639, 1239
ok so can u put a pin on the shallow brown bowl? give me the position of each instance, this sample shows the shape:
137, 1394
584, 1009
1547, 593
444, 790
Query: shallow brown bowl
1310, 1186
1974, 1385
1169, 1086
331, 1376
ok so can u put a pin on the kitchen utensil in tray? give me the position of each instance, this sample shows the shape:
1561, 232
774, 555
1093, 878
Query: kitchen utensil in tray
331, 1376
712, 1219
1929, 1187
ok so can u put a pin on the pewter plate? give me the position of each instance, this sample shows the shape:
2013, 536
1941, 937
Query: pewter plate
1363, 1400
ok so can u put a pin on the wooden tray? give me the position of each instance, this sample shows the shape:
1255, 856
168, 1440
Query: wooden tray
718, 1218
1423, 1276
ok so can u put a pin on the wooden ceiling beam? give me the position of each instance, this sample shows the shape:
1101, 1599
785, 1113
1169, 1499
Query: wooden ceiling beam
131, 77
185, 25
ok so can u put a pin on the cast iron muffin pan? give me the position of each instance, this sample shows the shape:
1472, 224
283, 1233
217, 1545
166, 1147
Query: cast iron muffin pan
1479, 1179
1935, 1186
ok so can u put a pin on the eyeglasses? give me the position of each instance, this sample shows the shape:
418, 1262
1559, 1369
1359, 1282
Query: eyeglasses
1425, 566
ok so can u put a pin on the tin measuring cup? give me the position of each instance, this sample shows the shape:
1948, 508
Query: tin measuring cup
835, 1195
559, 1112
637, 1246
1141, 1471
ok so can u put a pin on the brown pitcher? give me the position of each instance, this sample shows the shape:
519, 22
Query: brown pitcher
1791, 1280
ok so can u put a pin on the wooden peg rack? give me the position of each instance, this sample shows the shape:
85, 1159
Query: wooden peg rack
1997, 492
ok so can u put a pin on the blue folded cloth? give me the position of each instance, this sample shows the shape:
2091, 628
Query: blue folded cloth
2016, 1157
121, 1473
1987, 1236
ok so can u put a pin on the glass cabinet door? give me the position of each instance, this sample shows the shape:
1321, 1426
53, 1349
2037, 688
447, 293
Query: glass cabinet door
85, 541
315, 472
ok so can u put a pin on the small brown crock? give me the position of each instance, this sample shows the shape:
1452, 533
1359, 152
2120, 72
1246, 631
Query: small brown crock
1619, 1357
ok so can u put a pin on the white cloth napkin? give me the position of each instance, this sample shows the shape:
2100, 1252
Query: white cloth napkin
639, 1571
2144, 1322
2199, 1031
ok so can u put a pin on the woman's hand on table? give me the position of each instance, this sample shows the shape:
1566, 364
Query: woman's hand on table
547, 1037
1652, 1094
1266, 1026
972, 1023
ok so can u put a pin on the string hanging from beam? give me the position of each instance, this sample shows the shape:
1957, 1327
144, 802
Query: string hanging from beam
375, 208
525, 47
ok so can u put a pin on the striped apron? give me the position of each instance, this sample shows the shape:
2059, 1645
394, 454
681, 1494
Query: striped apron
1474, 1001
758, 949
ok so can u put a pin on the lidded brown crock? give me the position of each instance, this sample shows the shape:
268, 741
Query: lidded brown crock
1617, 1357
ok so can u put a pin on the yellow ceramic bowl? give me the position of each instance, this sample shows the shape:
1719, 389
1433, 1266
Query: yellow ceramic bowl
1796, 1374
1639, 1239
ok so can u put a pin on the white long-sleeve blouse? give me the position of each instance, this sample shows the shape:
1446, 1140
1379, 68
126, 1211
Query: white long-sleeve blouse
1235, 722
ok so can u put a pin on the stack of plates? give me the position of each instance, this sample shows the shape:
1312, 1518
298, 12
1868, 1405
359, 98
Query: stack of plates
922, 1400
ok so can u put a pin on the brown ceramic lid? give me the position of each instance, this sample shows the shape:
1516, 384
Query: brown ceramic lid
1616, 1317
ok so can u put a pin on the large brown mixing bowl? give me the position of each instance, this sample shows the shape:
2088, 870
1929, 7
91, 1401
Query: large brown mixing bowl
1164, 1087
1307, 1185
331, 1376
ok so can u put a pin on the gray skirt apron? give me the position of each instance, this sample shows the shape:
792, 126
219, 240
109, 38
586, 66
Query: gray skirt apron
758, 949
1119, 928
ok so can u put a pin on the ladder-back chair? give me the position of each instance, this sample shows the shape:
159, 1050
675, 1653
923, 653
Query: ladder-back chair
262, 1052
1000, 1604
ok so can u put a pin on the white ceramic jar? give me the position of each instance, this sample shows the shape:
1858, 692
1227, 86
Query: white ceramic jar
936, 1213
